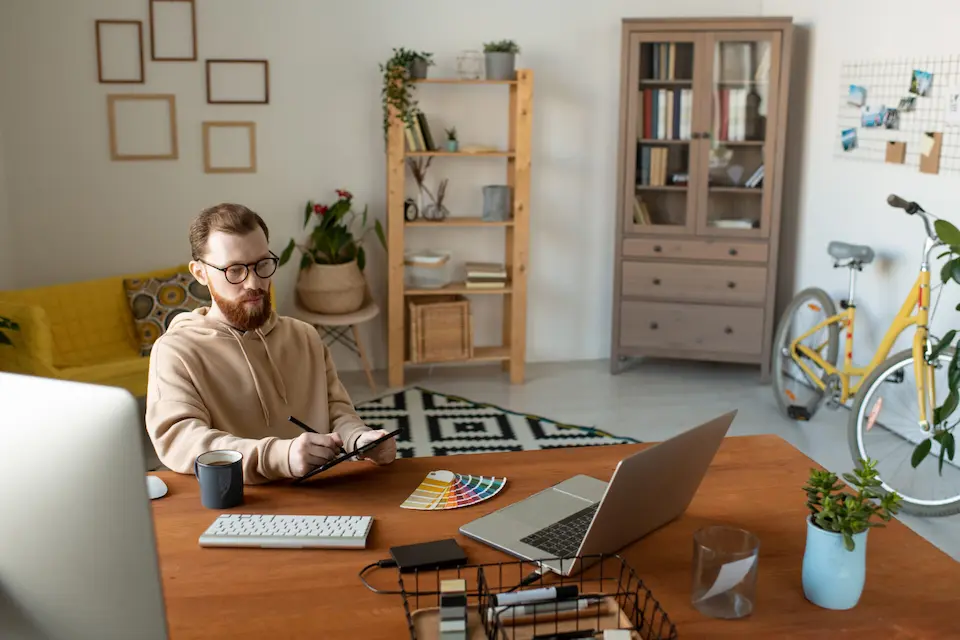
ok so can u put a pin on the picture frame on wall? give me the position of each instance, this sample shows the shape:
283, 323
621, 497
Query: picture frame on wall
229, 147
120, 51
173, 30
238, 81
142, 126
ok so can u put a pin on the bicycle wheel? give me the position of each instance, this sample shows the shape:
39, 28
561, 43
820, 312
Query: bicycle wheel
797, 395
884, 425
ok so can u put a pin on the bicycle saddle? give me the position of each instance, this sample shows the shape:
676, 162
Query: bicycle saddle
857, 252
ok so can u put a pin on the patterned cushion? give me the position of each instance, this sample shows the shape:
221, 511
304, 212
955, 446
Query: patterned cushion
156, 301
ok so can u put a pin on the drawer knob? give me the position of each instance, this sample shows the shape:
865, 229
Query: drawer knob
733, 252
732, 285
657, 248
654, 325
656, 281
728, 330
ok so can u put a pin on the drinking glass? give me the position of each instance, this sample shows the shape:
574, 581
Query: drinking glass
724, 571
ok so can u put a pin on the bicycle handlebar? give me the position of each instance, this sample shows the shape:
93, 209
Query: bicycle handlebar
911, 208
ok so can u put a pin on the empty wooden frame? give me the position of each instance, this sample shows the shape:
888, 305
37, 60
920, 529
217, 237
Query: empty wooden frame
143, 126
236, 81
173, 30
119, 51
229, 147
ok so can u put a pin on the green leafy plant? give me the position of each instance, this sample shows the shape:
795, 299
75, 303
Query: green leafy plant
332, 241
833, 509
451, 134
9, 325
944, 423
501, 46
398, 90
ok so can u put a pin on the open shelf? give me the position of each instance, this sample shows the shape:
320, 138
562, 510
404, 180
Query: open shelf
668, 187
464, 154
456, 288
480, 354
459, 81
460, 222
662, 141
750, 190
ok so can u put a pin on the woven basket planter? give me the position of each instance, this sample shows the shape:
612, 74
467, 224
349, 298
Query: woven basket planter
331, 289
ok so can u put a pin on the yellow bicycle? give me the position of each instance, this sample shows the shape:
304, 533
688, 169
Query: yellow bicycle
893, 397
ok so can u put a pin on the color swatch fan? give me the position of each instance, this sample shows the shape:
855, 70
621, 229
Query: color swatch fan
448, 490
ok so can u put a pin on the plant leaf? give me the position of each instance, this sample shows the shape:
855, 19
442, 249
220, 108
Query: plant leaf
947, 232
956, 270
848, 541
943, 344
361, 258
383, 240
306, 214
949, 405
4, 339
943, 451
946, 271
949, 443
287, 252
305, 260
920, 452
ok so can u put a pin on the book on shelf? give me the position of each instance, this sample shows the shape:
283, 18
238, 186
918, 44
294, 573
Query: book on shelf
485, 275
418, 135
734, 116
668, 61
654, 166
756, 179
641, 214
665, 114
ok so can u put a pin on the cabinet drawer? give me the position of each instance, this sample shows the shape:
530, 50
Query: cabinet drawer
732, 251
706, 283
691, 327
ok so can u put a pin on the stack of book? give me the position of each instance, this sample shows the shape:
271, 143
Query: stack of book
654, 168
486, 275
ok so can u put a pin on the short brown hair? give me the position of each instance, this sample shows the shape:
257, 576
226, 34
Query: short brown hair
226, 217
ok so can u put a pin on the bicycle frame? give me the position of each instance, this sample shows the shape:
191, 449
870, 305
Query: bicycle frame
917, 299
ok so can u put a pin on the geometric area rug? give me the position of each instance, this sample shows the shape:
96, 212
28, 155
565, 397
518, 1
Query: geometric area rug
437, 424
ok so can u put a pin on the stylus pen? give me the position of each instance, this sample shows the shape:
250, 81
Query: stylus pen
301, 425
567, 635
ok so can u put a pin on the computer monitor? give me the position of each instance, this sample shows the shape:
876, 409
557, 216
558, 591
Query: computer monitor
78, 556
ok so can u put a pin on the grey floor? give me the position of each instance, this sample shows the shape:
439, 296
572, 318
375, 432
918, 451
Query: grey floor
651, 401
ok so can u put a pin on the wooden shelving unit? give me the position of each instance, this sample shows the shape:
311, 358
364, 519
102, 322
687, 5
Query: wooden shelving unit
512, 353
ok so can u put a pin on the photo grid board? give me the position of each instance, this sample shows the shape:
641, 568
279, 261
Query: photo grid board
886, 83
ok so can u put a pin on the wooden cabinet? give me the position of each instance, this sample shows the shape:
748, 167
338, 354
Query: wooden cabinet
703, 114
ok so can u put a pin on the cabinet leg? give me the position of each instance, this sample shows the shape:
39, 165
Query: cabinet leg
516, 371
395, 374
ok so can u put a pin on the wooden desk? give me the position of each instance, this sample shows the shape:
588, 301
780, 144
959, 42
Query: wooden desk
754, 482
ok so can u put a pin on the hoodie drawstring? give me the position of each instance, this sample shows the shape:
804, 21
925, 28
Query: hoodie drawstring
253, 374
277, 378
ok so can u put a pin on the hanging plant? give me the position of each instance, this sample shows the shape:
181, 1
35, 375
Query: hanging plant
397, 91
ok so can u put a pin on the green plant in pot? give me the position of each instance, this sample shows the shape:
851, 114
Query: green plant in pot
333, 257
500, 58
452, 143
397, 92
6, 324
834, 561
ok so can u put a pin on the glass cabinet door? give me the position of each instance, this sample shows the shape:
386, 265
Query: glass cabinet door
744, 75
661, 120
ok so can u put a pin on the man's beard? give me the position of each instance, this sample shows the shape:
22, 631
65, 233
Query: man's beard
241, 315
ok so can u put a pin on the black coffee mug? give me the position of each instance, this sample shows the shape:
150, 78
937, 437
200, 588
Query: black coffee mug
220, 474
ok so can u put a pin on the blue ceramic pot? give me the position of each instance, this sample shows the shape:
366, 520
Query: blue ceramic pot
452, 145
833, 577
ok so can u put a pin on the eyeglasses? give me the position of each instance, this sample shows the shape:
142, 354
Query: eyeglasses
237, 273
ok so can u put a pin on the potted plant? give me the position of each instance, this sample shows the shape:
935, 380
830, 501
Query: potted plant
333, 258
9, 325
452, 144
834, 561
397, 92
500, 59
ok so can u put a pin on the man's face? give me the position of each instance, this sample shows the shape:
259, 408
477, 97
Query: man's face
243, 302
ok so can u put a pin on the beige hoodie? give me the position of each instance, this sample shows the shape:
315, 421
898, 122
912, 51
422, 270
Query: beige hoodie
211, 386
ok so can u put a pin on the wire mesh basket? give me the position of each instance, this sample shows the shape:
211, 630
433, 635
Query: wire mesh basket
609, 595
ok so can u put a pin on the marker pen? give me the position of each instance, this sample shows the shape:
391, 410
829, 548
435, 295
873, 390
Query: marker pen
565, 592
558, 606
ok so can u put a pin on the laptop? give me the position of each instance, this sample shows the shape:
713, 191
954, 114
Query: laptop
583, 516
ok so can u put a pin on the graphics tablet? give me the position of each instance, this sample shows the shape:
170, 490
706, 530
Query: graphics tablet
347, 456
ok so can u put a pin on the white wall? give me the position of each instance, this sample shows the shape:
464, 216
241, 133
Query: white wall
837, 199
8, 264
322, 131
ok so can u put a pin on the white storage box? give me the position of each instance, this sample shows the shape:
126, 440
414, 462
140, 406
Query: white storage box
427, 269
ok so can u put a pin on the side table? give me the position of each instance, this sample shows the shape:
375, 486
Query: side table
338, 329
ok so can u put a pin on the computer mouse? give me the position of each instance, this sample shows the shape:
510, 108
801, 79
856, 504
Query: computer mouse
156, 487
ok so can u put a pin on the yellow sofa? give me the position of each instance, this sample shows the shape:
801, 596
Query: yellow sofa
81, 331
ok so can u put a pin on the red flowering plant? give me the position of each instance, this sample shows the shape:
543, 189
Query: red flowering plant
332, 240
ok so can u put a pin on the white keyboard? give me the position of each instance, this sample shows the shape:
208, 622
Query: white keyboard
288, 532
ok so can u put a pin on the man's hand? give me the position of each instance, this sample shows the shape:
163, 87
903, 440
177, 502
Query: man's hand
383, 453
310, 450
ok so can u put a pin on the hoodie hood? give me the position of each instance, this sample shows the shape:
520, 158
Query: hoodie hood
199, 323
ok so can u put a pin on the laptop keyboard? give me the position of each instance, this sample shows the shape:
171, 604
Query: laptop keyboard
562, 539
